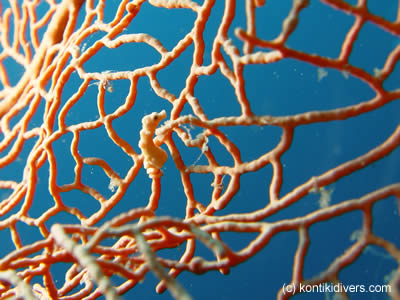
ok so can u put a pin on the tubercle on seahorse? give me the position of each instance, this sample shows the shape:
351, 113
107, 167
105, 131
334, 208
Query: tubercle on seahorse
154, 156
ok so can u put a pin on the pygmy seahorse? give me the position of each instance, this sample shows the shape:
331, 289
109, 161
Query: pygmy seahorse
154, 156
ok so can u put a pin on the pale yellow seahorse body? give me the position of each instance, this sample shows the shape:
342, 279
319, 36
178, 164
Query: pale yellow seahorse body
154, 156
